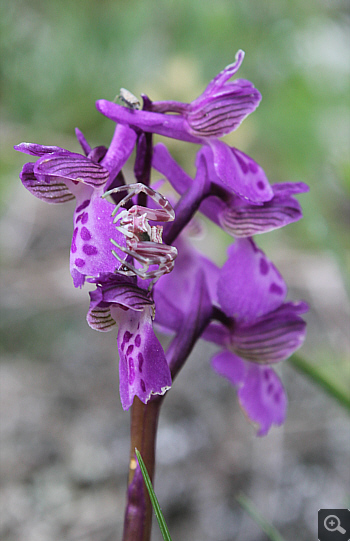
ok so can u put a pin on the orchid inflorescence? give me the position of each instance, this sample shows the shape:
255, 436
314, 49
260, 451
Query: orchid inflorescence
142, 281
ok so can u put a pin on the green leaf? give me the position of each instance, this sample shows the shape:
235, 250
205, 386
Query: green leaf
161, 521
270, 530
315, 374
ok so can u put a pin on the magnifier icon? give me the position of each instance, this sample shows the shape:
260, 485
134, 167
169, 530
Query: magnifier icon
332, 524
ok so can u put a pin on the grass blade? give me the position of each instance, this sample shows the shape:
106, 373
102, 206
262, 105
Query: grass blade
270, 530
161, 521
315, 374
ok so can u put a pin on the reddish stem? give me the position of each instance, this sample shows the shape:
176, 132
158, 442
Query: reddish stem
138, 512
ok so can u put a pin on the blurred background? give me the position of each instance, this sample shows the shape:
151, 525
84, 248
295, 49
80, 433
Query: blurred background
65, 438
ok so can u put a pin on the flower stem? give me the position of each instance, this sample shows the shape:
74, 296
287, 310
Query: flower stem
138, 512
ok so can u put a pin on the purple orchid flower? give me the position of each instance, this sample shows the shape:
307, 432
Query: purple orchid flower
256, 327
218, 111
222, 106
60, 175
230, 207
143, 368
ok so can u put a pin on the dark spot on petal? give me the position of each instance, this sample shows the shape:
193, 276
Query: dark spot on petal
131, 371
260, 184
127, 336
73, 247
83, 206
85, 233
130, 349
79, 262
264, 266
138, 341
274, 288
140, 359
78, 218
277, 397
84, 217
143, 386
89, 250
266, 375
270, 388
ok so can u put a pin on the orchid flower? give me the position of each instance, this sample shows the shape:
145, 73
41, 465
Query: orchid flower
257, 328
60, 175
143, 368
218, 111
229, 206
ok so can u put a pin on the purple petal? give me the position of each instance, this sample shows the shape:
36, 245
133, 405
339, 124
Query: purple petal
241, 219
163, 162
97, 154
213, 208
229, 366
119, 151
91, 249
177, 287
240, 173
78, 278
82, 141
128, 294
263, 398
217, 334
249, 285
273, 337
260, 391
39, 150
223, 106
196, 318
289, 188
219, 80
168, 317
55, 192
143, 369
70, 166
222, 109
174, 126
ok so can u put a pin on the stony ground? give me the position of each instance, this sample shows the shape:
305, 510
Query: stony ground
64, 436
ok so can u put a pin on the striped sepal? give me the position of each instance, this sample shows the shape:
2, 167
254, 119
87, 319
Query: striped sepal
222, 114
128, 295
71, 166
55, 192
100, 319
273, 338
246, 221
